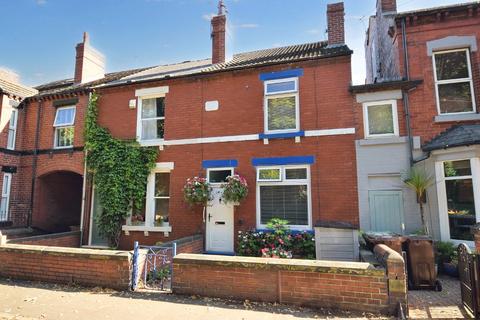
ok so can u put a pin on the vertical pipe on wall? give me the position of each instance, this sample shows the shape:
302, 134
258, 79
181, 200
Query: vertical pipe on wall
406, 104
35, 160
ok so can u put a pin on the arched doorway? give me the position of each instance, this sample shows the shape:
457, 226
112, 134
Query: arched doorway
58, 201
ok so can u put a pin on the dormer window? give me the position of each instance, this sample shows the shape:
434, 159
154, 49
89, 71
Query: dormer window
281, 111
453, 82
64, 127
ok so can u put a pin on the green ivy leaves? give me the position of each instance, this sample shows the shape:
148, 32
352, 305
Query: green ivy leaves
120, 170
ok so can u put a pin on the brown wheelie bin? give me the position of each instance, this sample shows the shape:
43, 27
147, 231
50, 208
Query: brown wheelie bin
421, 264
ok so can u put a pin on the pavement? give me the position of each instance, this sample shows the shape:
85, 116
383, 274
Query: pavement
21, 300
447, 304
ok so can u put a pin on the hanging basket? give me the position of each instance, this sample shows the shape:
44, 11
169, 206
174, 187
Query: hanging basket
197, 191
235, 190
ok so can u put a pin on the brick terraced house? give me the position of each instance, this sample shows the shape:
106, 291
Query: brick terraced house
282, 117
420, 107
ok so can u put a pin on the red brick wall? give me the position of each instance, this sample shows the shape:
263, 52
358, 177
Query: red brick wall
66, 239
349, 286
240, 96
423, 107
105, 268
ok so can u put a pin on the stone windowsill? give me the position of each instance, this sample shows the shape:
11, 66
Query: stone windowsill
147, 228
457, 117
382, 140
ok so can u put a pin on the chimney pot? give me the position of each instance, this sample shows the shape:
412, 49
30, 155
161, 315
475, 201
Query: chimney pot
336, 24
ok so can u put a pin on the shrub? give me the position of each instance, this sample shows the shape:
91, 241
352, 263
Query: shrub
277, 242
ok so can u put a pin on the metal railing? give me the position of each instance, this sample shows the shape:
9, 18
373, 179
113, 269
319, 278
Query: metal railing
153, 265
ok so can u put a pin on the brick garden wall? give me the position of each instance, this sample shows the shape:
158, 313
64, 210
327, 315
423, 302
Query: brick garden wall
87, 267
64, 239
331, 284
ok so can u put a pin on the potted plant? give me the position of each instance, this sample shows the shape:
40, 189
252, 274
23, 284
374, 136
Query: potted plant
197, 191
419, 181
235, 189
447, 258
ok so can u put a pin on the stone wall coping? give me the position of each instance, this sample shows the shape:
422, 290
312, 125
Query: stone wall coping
45, 236
61, 251
384, 253
321, 266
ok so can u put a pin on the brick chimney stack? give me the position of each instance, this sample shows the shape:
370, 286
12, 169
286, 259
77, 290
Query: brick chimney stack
336, 24
219, 29
387, 6
89, 63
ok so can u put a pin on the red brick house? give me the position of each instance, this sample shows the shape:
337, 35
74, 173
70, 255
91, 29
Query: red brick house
266, 113
421, 105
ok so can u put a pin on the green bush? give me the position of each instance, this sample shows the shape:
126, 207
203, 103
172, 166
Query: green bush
278, 241
445, 252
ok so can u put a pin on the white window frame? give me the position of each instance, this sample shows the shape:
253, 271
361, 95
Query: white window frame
281, 94
366, 126
285, 182
12, 129
269, 168
149, 93
461, 80
161, 167
442, 195
6, 194
231, 169
64, 126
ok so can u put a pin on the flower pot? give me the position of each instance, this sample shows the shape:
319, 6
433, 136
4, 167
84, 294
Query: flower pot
450, 269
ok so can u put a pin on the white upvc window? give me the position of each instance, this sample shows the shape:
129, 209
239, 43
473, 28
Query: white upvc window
12, 129
64, 127
284, 192
154, 216
5, 201
151, 115
281, 106
453, 82
380, 119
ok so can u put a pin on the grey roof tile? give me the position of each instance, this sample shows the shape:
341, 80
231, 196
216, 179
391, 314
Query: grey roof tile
456, 136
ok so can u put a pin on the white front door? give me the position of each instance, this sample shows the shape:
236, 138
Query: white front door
219, 224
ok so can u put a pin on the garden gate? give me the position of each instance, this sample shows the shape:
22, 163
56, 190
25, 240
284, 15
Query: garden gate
152, 266
468, 264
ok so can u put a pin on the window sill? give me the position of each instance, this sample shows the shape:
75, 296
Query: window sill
373, 141
457, 117
146, 229
151, 143
63, 148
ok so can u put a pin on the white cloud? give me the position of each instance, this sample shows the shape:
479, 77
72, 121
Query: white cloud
248, 25
41, 2
314, 31
208, 16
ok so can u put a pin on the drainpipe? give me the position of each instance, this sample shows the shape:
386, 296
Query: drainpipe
406, 104
35, 160
84, 187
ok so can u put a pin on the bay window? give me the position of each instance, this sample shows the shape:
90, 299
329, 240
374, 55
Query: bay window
284, 192
64, 127
281, 110
453, 82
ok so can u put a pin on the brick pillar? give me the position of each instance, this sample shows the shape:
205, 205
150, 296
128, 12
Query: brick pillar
395, 272
476, 236
336, 24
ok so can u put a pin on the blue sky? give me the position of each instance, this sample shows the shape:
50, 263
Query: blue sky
39, 36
